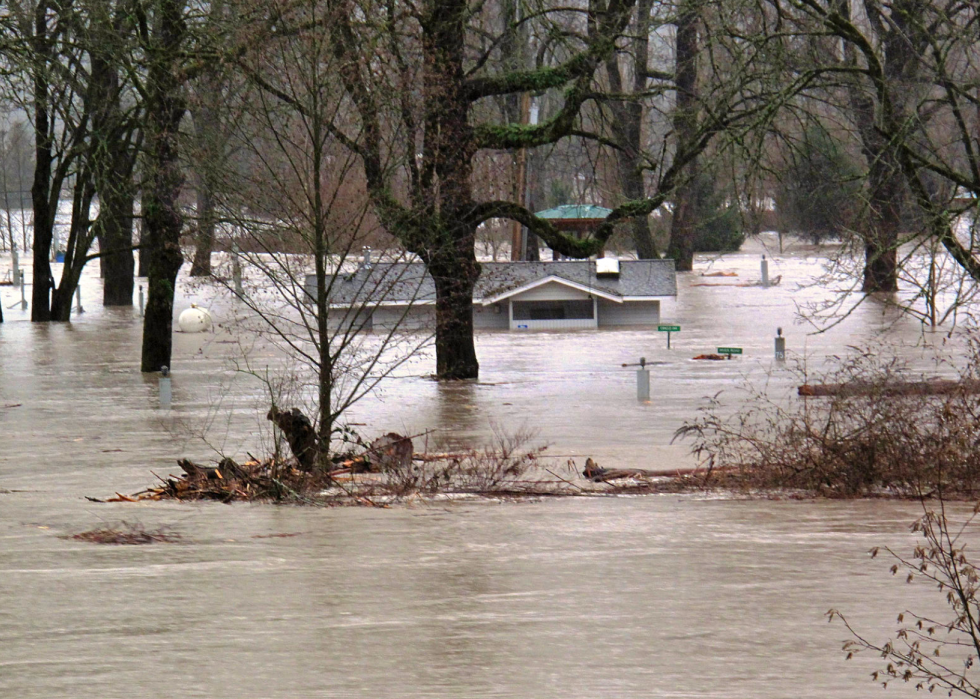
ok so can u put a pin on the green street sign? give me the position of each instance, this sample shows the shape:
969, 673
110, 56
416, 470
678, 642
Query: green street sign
729, 350
669, 328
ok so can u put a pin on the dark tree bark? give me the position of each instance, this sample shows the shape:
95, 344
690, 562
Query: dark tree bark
76, 247
455, 351
627, 127
902, 40
208, 157
43, 208
886, 196
142, 258
162, 218
683, 225
112, 167
116, 245
204, 239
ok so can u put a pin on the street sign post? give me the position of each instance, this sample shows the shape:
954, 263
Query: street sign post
729, 351
669, 329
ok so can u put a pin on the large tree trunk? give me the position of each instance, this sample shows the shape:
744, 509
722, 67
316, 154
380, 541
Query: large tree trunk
684, 223
887, 192
61, 303
117, 255
627, 126
455, 349
114, 182
161, 213
204, 240
142, 258
76, 247
903, 40
41, 187
113, 172
634, 189
205, 118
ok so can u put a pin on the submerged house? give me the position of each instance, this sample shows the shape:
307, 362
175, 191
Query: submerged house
570, 294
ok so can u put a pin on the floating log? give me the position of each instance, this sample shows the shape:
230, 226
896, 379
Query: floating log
932, 387
596, 473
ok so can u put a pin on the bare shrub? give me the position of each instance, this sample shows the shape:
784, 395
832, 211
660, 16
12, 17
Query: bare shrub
878, 434
933, 653
496, 468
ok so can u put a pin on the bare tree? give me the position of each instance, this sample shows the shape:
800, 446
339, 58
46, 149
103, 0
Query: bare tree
300, 212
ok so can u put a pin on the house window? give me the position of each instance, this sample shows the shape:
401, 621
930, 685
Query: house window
554, 310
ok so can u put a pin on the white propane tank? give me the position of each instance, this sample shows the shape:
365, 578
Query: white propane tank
194, 320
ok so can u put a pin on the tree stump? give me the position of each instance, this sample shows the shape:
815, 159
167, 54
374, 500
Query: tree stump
300, 434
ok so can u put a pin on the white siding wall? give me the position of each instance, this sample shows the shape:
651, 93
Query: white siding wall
552, 324
485, 318
608, 314
551, 291
348, 318
424, 318
421, 318
566, 324
628, 313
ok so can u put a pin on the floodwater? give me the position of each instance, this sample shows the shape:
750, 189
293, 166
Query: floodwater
666, 596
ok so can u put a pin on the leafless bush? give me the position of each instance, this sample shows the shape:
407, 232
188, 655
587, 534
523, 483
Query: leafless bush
495, 468
933, 653
882, 432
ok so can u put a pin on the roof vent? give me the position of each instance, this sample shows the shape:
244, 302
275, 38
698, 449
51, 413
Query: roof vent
607, 267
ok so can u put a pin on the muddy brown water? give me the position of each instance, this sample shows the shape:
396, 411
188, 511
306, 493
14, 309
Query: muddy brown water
667, 596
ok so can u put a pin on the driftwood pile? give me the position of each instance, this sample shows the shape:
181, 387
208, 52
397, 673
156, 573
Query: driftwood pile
387, 470
229, 481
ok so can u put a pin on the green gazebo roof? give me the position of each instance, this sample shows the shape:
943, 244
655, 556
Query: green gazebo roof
575, 211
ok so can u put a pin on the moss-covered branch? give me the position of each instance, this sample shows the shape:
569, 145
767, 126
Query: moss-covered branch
556, 239
562, 124
541, 79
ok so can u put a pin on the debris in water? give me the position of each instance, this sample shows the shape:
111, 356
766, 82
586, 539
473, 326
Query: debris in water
128, 533
932, 387
596, 473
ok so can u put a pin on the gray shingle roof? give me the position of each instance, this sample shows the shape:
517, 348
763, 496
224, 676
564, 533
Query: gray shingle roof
401, 282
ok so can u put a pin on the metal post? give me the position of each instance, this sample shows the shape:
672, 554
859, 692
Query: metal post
780, 346
643, 381
165, 393
765, 272
236, 270
14, 260
23, 292
668, 339
141, 300
78, 300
